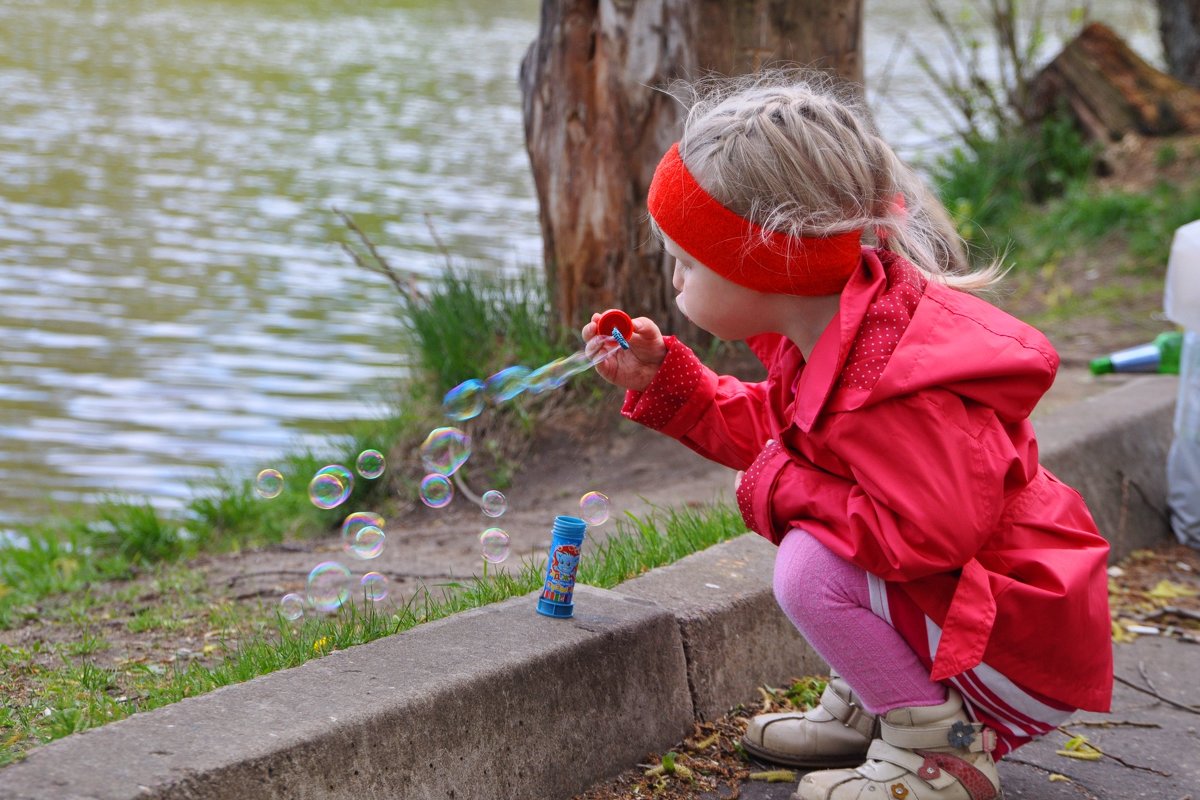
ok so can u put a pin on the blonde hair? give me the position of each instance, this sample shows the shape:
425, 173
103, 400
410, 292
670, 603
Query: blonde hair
795, 153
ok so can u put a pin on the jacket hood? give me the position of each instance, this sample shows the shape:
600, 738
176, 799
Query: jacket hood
897, 333
965, 345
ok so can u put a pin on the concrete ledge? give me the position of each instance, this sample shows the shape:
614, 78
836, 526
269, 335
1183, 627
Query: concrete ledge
734, 634
497, 702
1112, 448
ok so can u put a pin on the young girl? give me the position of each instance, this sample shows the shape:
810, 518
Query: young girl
956, 588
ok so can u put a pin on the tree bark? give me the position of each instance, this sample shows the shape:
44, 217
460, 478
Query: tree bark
1179, 27
1111, 91
597, 122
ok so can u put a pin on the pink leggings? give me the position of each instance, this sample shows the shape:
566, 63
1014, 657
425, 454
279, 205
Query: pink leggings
828, 600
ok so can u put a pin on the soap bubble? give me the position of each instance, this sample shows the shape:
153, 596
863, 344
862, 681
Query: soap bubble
547, 376
493, 503
571, 365
328, 586
374, 586
269, 483
368, 542
464, 401
507, 383
436, 490
353, 523
342, 473
593, 508
327, 491
494, 542
370, 464
445, 450
291, 606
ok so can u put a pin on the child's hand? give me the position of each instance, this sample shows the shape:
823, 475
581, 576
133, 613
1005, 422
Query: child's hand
634, 368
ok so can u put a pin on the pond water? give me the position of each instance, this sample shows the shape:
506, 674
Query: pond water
174, 295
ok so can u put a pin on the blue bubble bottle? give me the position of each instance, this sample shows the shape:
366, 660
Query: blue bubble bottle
565, 545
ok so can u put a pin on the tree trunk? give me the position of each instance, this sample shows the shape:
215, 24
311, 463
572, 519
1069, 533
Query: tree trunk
596, 124
1179, 27
1111, 91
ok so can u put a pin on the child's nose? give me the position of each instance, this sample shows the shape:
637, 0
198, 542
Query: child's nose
677, 277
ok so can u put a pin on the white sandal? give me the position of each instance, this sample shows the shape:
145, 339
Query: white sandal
835, 733
922, 753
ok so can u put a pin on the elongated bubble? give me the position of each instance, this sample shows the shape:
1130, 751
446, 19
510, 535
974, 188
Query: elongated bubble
465, 401
507, 383
546, 377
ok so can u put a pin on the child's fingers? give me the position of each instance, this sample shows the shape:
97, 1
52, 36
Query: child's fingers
643, 325
645, 330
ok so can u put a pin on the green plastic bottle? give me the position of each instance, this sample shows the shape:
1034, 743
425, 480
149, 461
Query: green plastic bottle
1161, 355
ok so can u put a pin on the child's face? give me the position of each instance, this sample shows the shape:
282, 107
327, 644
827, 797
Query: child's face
719, 306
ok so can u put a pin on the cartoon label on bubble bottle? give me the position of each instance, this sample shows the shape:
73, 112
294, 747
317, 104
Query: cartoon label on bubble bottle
560, 575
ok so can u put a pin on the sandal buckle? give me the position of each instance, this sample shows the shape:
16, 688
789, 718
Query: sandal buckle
854, 716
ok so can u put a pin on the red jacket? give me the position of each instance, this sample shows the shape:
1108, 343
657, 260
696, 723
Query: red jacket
904, 445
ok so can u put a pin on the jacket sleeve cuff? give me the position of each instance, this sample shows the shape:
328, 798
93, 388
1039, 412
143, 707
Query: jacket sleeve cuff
756, 489
681, 391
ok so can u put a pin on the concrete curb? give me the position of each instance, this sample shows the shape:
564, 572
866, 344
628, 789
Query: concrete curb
502, 703
1112, 447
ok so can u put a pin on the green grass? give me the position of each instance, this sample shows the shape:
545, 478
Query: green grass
476, 323
1031, 197
1142, 223
57, 699
987, 182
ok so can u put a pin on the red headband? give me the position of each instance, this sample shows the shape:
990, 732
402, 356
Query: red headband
738, 249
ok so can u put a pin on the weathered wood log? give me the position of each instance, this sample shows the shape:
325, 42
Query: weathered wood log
1111, 91
597, 122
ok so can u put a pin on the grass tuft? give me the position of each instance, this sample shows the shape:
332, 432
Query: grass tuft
987, 182
472, 324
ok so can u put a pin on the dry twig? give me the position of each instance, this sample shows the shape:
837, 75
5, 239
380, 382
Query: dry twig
1156, 695
405, 286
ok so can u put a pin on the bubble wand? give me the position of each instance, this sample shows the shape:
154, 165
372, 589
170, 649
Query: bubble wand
466, 401
619, 328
